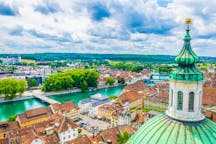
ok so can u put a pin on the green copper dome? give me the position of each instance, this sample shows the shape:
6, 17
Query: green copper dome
186, 63
187, 56
163, 130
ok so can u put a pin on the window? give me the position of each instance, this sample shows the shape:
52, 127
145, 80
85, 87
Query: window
180, 100
191, 102
171, 98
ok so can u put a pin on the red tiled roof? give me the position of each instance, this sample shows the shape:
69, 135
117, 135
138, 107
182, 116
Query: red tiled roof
34, 113
64, 107
83, 139
137, 86
130, 96
209, 96
112, 133
8, 126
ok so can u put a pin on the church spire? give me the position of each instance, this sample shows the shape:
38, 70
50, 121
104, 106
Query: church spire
186, 61
185, 98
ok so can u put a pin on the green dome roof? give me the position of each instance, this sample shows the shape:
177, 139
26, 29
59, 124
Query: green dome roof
163, 130
186, 60
187, 56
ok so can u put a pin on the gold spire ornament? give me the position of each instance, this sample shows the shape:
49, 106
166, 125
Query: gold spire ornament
188, 21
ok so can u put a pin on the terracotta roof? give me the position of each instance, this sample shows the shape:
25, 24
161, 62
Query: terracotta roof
8, 126
137, 86
64, 107
4, 141
209, 96
112, 133
51, 139
83, 139
130, 96
157, 99
66, 124
34, 114
146, 72
140, 118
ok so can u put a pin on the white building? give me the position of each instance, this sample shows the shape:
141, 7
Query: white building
11, 60
67, 130
91, 104
124, 118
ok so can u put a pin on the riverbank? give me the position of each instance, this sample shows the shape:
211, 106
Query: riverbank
10, 108
30, 94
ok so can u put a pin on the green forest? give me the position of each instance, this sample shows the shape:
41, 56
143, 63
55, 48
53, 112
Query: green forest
116, 57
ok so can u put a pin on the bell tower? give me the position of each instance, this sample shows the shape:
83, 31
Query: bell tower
185, 93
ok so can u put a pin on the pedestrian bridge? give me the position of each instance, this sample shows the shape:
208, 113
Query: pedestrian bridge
46, 99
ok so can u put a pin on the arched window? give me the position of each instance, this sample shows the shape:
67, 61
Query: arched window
191, 102
171, 98
180, 100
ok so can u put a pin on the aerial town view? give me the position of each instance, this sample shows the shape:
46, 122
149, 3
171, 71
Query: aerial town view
107, 72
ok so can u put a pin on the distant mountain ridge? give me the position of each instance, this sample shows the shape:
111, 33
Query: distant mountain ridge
87, 56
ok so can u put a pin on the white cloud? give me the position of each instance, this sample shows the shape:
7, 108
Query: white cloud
114, 26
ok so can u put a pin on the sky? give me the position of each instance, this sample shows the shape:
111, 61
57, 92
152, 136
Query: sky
106, 26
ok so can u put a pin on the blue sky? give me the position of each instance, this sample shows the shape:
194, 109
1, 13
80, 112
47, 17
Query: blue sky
106, 26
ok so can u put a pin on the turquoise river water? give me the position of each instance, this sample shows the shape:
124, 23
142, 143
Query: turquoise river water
16, 107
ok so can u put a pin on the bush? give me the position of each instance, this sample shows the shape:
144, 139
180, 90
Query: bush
113, 97
12, 118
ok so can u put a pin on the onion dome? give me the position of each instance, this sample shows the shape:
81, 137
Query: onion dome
186, 60
187, 56
164, 130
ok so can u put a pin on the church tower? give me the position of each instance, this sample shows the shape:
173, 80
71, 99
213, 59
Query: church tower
185, 93
183, 122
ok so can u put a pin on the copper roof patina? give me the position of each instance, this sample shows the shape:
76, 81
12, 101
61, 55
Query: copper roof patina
163, 130
186, 63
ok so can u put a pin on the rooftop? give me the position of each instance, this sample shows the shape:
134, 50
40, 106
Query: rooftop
34, 114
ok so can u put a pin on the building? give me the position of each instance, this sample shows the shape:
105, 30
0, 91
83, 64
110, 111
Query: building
67, 130
124, 118
68, 109
33, 116
110, 136
183, 122
131, 99
110, 112
211, 69
6, 127
11, 60
90, 105
211, 113
156, 102
83, 139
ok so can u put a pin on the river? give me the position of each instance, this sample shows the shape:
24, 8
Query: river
11, 108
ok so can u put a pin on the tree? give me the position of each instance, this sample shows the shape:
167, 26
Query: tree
84, 86
113, 97
110, 80
12, 118
9, 88
71, 78
32, 82
123, 138
121, 80
21, 86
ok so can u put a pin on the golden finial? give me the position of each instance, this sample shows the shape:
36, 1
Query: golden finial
188, 21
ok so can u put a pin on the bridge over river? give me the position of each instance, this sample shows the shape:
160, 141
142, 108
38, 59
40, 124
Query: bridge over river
46, 99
